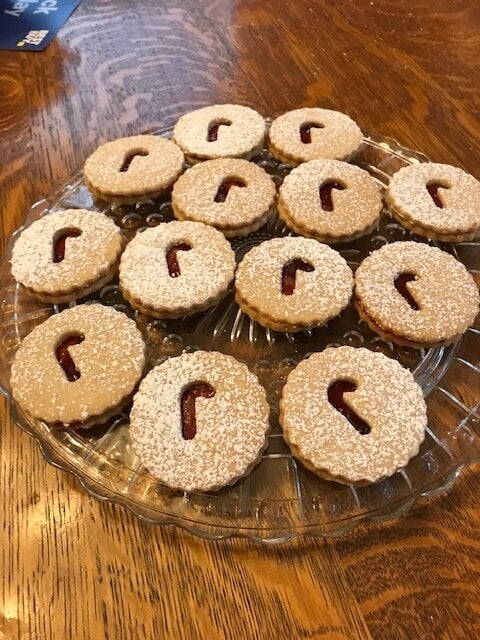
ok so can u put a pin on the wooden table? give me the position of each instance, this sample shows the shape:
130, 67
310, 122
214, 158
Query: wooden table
75, 568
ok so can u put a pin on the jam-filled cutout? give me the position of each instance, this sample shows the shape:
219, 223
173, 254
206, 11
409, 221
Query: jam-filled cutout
432, 188
335, 397
187, 404
289, 274
400, 283
325, 192
59, 242
64, 358
212, 135
225, 187
129, 158
172, 262
306, 131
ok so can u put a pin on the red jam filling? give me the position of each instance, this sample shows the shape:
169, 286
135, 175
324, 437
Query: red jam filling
59, 242
212, 135
187, 403
326, 194
306, 131
400, 283
432, 188
225, 187
289, 274
65, 359
129, 158
335, 397
172, 262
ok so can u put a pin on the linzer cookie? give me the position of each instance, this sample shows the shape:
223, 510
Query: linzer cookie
293, 284
312, 133
220, 131
79, 367
133, 169
234, 196
176, 269
67, 255
436, 200
330, 201
415, 295
199, 421
352, 415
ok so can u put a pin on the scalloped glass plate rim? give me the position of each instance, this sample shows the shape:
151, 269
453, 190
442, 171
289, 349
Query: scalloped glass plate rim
221, 532
218, 531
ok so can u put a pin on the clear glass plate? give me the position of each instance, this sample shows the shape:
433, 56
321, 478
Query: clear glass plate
280, 499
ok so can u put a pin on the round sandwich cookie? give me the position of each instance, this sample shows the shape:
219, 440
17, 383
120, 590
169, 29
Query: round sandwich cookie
352, 415
313, 133
234, 196
415, 295
330, 200
67, 255
220, 131
293, 284
436, 200
78, 368
199, 421
133, 169
176, 269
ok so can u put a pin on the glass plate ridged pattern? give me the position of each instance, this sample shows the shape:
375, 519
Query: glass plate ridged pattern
280, 499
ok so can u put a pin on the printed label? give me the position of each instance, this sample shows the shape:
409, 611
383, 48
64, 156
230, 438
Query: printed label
29, 25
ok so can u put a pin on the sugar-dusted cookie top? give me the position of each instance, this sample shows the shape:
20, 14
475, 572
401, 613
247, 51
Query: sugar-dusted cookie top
329, 200
436, 200
235, 196
78, 364
133, 169
312, 133
296, 282
353, 415
417, 292
176, 268
199, 421
220, 131
65, 252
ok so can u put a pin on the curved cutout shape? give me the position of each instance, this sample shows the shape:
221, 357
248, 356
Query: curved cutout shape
306, 131
127, 161
400, 283
225, 187
432, 188
289, 274
64, 358
172, 262
59, 241
325, 192
335, 397
188, 409
213, 127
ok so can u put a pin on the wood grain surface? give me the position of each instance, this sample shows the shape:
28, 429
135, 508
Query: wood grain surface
72, 567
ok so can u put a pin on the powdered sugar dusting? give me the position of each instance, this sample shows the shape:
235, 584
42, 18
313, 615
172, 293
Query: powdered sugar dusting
87, 257
110, 360
231, 426
205, 271
407, 194
339, 137
319, 295
444, 290
244, 134
387, 398
194, 192
152, 172
355, 208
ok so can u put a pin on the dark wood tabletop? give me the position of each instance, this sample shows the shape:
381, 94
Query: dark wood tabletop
73, 567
